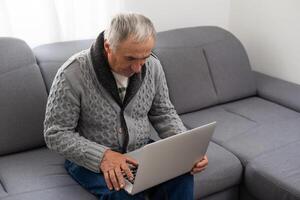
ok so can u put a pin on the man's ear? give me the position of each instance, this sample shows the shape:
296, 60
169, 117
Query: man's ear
107, 47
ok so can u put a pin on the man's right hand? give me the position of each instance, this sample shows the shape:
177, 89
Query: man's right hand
112, 165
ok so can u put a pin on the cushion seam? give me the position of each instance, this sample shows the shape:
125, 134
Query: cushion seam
230, 111
2, 185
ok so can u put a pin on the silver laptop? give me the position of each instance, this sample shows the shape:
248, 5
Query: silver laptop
168, 158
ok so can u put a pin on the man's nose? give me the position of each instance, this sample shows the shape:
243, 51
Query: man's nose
136, 67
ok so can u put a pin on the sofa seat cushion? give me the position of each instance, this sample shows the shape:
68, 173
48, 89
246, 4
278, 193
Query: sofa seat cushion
72, 192
275, 175
224, 171
34, 171
260, 111
276, 126
228, 124
249, 127
263, 139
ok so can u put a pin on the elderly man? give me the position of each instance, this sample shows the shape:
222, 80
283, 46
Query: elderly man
101, 104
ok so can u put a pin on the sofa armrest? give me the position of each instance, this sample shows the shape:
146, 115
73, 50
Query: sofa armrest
278, 91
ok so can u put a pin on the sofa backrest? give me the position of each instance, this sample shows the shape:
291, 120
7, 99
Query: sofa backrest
204, 66
22, 98
51, 56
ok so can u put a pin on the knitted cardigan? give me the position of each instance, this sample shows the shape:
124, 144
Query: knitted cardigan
85, 116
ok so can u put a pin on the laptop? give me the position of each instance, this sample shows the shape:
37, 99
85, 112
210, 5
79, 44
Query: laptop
168, 158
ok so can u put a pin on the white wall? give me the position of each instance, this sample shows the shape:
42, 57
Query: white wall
170, 14
270, 31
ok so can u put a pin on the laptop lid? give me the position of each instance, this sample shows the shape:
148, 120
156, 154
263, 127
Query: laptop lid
168, 158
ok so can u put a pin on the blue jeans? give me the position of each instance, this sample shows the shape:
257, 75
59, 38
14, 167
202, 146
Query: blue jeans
181, 187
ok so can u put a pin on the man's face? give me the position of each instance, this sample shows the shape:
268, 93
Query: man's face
129, 56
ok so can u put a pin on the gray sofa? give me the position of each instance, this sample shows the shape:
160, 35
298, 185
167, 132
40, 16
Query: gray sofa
255, 150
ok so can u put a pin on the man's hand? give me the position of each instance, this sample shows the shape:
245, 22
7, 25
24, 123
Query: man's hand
200, 165
112, 165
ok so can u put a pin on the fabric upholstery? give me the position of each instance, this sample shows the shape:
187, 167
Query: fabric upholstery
72, 192
230, 69
41, 172
277, 172
229, 125
264, 138
22, 98
229, 194
249, 127
51, 56
188, 78
191, 36
33, 171
244, 194
260, 111
279, 91
215, 178
226, 58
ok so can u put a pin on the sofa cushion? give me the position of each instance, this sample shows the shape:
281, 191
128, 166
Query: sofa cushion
72, 192
228, 124
260, 111
229, 194
33, 170
224, 171
264, 138
188, 78
51, 56
230, 69
277, 172
226, 58
22, 98
249, 127
191, 36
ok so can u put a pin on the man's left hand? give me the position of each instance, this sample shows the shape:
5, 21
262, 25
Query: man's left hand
200, 165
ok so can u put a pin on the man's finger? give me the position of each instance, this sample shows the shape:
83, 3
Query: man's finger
120, 177
202, 163
131, 161
114, 180
107, 180
197, 169
127, 171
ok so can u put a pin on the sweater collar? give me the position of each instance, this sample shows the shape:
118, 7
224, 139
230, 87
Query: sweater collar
106, 78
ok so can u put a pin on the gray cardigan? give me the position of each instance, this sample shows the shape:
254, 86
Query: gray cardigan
83, 119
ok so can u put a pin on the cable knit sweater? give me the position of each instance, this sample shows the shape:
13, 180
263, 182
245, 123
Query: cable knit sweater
83, 118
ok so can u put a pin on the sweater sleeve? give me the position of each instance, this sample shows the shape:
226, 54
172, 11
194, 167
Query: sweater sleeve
61, 119
162, 114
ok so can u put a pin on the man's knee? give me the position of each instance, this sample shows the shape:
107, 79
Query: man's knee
185, 179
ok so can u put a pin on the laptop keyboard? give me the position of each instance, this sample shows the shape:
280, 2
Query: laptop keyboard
133, 170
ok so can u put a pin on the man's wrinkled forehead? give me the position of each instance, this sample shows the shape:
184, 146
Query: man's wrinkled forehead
133, 48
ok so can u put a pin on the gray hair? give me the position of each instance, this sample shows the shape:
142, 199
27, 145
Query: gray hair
129, 24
